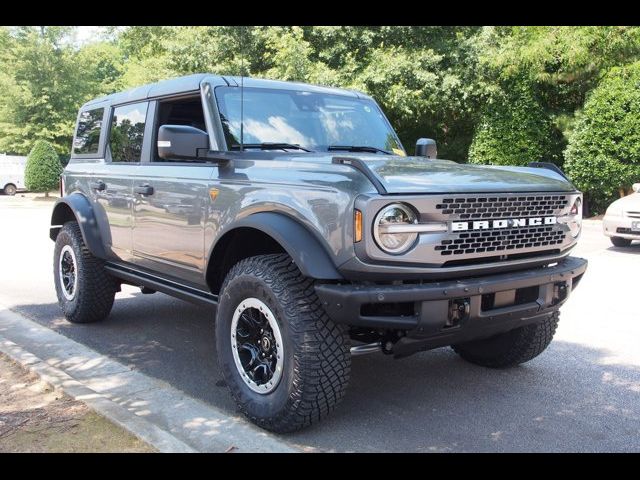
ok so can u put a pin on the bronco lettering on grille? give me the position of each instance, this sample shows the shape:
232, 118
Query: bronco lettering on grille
502, 223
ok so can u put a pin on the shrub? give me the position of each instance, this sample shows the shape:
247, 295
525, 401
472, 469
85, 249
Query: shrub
603, 154
43, 168
515, 130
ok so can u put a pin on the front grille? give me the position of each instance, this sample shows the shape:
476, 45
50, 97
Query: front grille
633, 214
501, 239
501, 207
501, 243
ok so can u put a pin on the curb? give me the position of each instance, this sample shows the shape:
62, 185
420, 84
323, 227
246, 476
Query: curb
142, 429
150, 409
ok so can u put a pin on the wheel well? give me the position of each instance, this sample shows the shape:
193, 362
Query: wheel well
9, 184
60, 216
235, 245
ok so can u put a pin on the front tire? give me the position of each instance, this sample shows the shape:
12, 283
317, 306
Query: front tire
620, 242
84, 288
285, 362
10, 189
511, 348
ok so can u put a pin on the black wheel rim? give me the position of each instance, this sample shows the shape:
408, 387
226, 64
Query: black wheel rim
257, 345
68, 273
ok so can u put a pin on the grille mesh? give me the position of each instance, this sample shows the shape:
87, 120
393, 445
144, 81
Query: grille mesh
503, 239
501, 207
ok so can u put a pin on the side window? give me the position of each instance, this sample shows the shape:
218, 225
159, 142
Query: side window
87, 137
127, 130
183, 111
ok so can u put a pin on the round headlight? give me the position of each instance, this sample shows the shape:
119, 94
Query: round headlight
387, 228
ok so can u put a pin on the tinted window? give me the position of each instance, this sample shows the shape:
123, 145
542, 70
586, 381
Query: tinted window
185, 111
88, 133
127, 130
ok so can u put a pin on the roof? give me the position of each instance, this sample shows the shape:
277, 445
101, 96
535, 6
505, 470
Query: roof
191, 83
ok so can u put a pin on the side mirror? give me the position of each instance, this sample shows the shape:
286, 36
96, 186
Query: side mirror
426, 147
181, 142
636, 187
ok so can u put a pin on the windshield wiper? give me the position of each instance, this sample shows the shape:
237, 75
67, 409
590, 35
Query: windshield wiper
272, 146
358, 148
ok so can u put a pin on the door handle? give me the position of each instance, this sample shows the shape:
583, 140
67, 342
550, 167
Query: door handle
99, 185
143, 189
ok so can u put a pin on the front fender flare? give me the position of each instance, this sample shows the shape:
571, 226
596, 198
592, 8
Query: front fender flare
303, 247
86, 218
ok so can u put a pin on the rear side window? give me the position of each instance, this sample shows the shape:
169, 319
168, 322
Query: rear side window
127, 131
87, 137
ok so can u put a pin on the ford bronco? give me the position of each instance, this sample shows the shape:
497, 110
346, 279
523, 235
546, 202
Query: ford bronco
295, 213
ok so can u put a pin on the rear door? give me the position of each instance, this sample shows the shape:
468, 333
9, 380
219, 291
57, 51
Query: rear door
114, 186
171, 201
106, 183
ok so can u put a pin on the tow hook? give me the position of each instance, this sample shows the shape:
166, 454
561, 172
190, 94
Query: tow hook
560, 292
459, 309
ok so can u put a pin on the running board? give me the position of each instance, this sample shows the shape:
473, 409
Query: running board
174, 289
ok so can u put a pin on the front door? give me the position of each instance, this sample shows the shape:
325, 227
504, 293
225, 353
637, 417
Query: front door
171, 201
169, 217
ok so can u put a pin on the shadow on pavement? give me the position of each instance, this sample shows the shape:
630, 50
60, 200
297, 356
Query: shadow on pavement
568, 399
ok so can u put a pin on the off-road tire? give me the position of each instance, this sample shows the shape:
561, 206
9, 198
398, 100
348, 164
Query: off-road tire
317, 359
96, 289
10, 189
511, 348
620, 242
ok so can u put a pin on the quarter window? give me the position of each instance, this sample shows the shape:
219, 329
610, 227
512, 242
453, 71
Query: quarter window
127, 130
87, 137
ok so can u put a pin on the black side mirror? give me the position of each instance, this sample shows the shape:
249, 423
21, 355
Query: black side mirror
426, 147
182, 142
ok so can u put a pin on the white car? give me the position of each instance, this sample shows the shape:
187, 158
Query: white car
622, 221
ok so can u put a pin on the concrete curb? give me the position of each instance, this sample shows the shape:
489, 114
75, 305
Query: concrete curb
152, 410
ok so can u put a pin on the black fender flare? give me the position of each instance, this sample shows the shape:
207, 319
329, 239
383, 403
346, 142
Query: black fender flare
86, 218
303, 247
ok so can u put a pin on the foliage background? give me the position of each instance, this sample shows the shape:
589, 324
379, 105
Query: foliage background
501, 95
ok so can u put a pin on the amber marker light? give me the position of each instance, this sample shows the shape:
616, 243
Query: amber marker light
357, 225
213, 193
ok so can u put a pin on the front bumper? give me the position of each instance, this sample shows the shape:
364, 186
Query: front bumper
450, 312
619, 226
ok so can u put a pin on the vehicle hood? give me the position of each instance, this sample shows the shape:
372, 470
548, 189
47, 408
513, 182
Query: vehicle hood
419, 175
628, 203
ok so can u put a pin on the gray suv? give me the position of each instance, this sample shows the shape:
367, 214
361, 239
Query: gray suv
294, 212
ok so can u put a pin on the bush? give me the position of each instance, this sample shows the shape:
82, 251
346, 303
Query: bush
43, 168
515, 130
603, 154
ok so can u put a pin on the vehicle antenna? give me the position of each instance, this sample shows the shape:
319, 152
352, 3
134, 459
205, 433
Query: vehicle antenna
242, 88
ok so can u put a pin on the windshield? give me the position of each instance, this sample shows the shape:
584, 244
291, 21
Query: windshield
315, 121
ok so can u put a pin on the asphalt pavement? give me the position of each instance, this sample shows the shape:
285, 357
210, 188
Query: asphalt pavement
582, 394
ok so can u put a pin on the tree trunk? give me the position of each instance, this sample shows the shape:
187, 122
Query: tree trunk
46, 194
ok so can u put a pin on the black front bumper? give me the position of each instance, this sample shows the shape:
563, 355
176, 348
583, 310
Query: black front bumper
444, 313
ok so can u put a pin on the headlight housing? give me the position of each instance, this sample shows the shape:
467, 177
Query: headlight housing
574, 221
388, 226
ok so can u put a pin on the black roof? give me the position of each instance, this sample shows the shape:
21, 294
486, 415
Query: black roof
191, 83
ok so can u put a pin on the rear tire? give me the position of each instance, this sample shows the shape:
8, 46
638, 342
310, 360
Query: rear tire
10, 189
620, 242
311, 363
511, 348
84, 288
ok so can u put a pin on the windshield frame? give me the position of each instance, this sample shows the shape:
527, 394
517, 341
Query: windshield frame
223, 143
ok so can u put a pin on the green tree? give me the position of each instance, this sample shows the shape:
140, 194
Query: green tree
44, 80
43, 168
603, 154
514, 129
